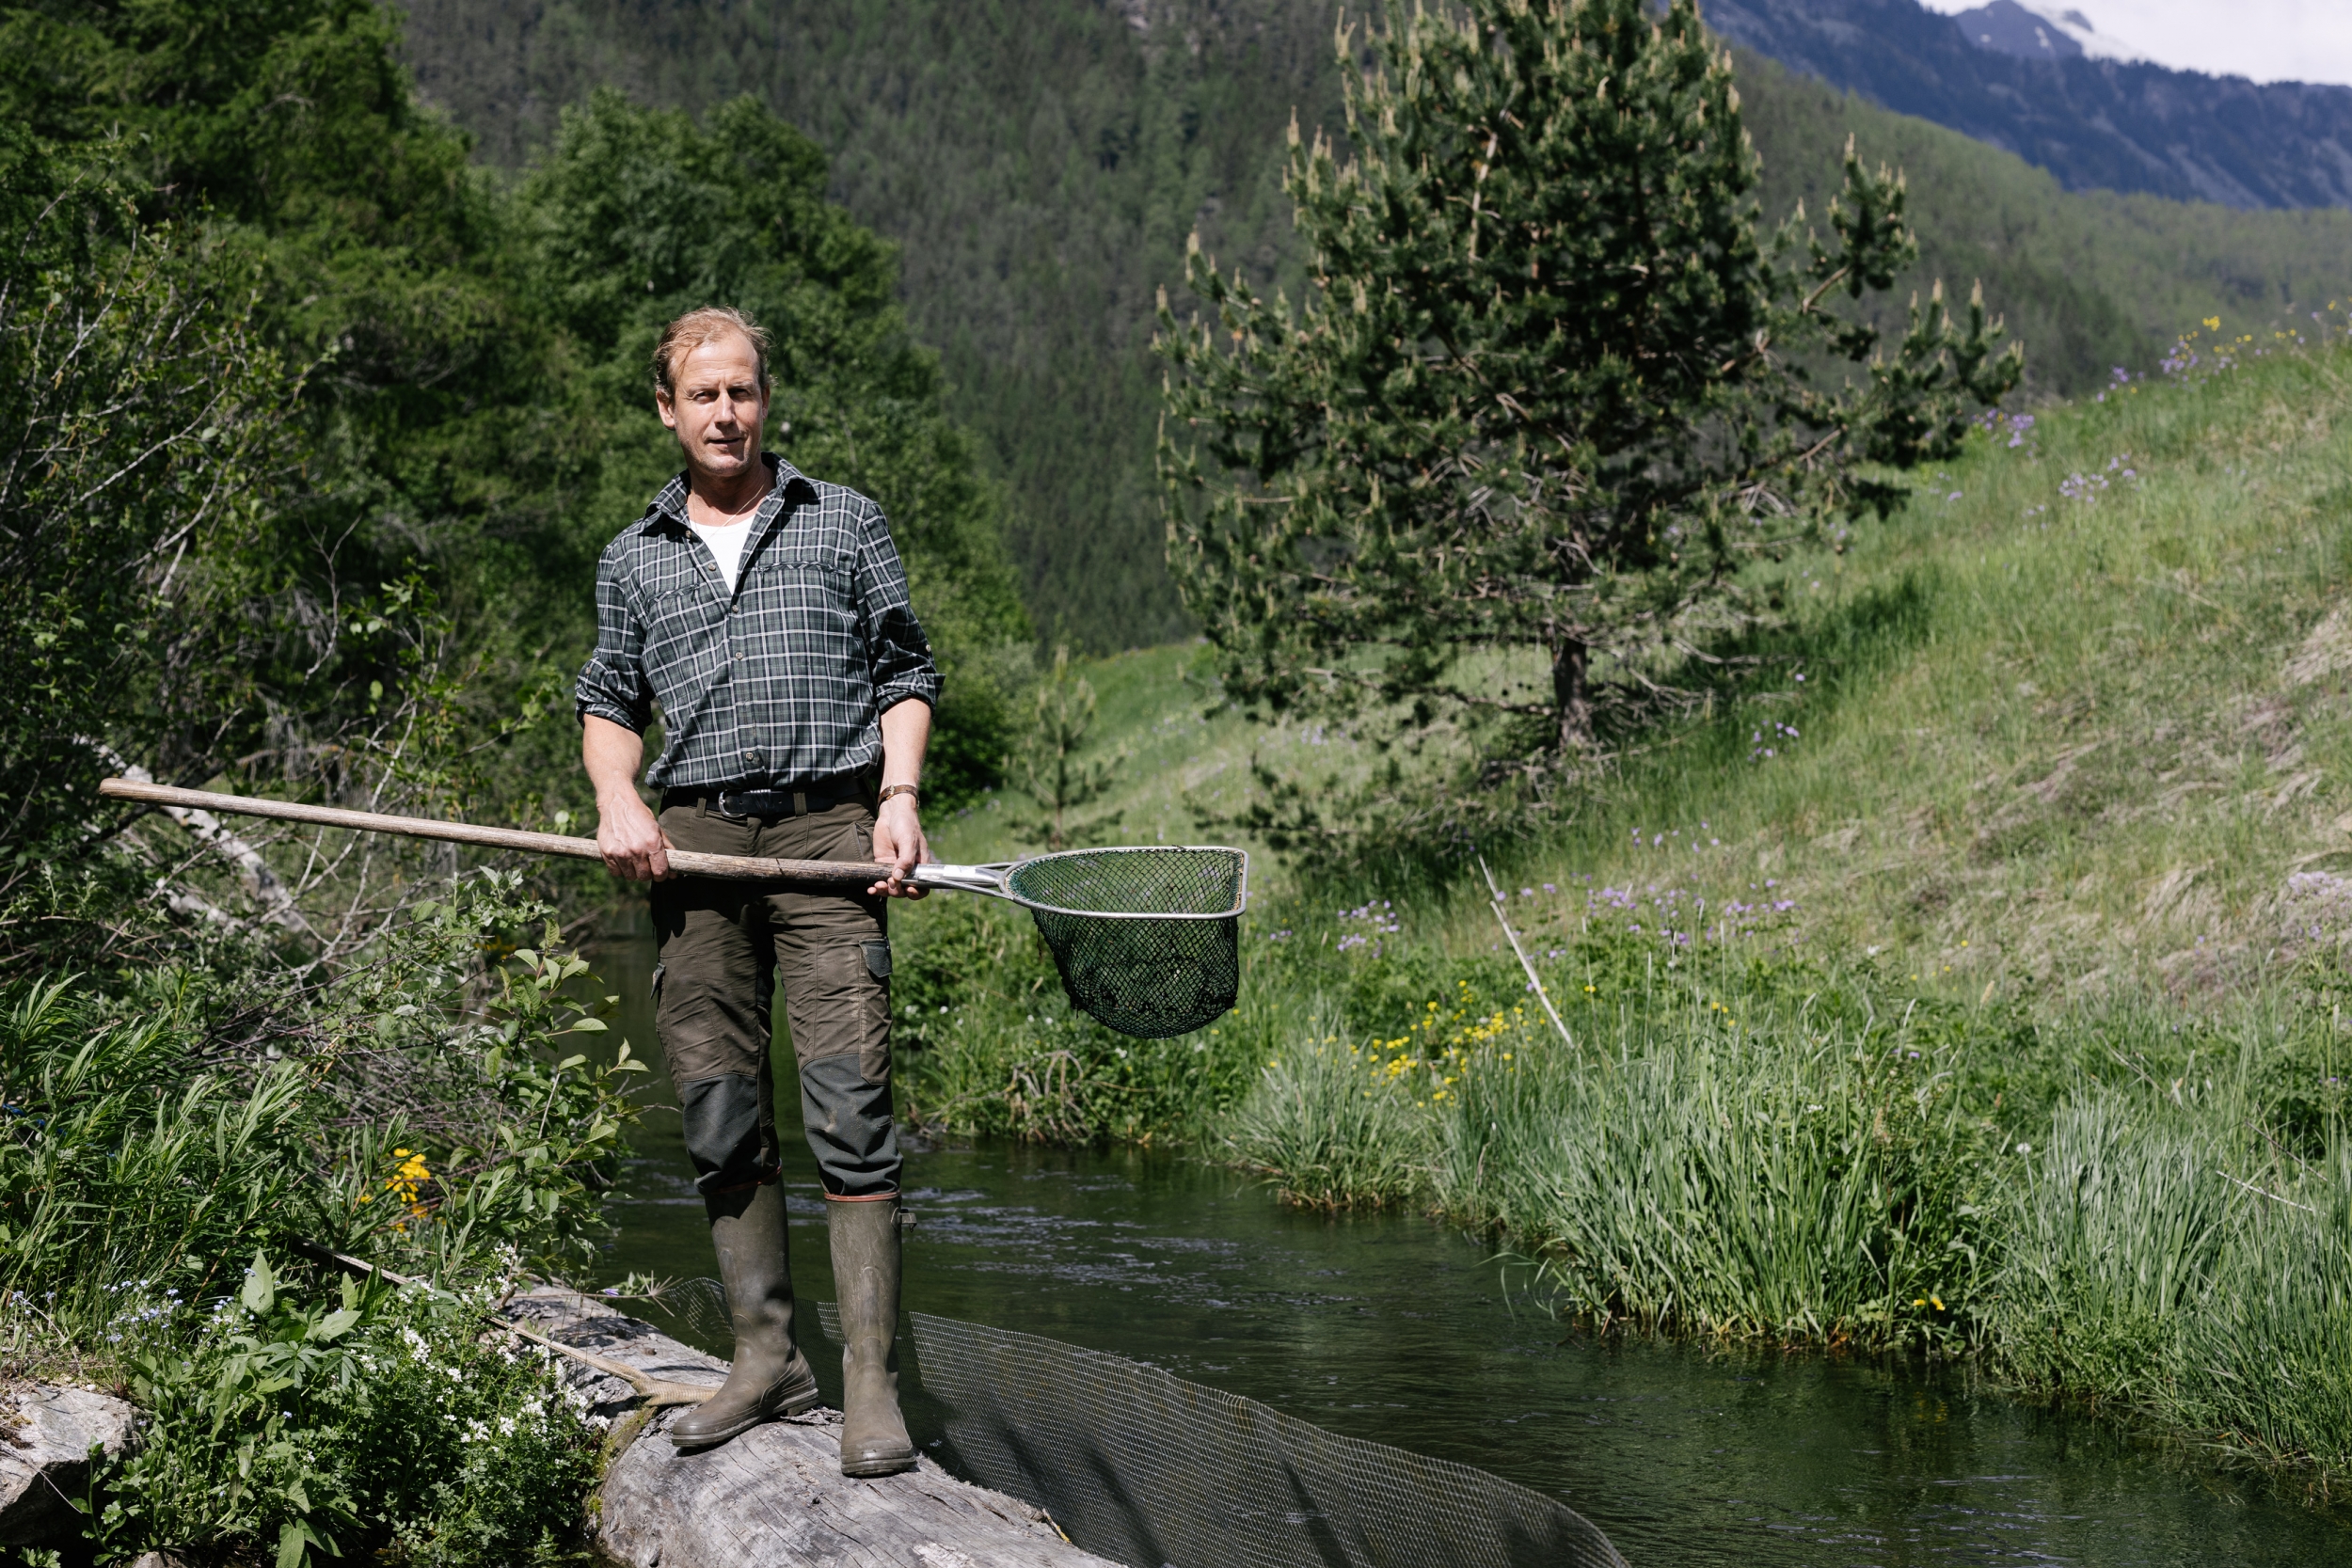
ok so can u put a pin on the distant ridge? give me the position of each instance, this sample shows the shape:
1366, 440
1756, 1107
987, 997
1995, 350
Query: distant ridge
2095, 124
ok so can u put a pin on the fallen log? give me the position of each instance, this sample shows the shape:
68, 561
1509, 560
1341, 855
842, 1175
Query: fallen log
775, 1496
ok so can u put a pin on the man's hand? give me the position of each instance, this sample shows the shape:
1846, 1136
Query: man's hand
631, 840
899, 844
627, 833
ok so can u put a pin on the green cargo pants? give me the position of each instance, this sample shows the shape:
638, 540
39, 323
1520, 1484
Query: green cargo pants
724, 945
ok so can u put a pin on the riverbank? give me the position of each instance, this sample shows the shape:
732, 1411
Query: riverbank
1966, 976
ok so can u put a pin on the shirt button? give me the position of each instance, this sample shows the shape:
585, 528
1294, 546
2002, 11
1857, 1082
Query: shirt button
754, 757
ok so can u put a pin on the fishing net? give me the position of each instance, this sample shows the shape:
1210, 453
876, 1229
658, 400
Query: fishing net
1148, 940
1150, 1470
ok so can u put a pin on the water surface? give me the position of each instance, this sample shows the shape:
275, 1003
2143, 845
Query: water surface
1392, 1328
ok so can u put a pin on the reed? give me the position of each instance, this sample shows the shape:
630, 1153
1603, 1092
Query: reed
1329, 1124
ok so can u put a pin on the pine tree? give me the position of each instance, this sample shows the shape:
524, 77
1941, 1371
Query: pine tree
1051, 771
1548, 392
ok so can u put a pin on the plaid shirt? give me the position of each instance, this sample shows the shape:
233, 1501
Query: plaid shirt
784, 681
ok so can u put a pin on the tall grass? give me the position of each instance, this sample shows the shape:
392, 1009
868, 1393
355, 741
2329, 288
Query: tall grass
129, 1169
1331, 1129
1757, 1144
2139, 1265
1694, 1169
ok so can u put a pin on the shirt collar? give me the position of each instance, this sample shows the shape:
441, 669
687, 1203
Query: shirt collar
670, 504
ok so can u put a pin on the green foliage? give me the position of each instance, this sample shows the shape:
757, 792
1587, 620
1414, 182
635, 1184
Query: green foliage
408, 1113
425, 1110
522, 1129
129, 1161
1546, 399
142, 432
1049, 767
284, 1423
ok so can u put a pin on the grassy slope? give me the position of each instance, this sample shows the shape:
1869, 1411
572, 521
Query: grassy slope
1042, 161
2083, 728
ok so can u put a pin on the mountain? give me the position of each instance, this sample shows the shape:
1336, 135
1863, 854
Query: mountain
1040, 162
2006, 27
2095, 124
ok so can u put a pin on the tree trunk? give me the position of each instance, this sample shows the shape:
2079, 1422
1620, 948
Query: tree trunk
1571, 702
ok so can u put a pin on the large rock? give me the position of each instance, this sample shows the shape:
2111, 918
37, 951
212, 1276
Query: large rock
775, 1496
46, 1435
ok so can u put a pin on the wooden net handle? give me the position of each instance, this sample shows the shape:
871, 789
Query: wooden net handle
746, 867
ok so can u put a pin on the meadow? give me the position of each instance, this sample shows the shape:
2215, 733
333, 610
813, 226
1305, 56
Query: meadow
1964, 977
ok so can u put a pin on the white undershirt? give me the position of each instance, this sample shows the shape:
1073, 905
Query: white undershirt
726, 544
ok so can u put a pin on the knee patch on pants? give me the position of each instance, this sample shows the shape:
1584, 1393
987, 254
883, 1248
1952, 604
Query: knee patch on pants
730, 1132
847, 1116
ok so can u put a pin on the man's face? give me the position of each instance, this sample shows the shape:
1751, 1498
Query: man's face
717, 406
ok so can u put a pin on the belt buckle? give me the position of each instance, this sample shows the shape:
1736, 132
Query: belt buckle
777, 803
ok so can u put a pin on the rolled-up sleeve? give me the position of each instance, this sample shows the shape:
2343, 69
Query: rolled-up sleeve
898, 657
613, 683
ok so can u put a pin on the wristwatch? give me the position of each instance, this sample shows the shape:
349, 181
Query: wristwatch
889, 790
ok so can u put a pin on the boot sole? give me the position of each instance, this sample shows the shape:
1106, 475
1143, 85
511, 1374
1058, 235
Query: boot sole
799, 1402
868, 1469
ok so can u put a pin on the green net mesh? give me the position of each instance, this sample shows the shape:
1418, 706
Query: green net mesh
1148, 940
1143, 1468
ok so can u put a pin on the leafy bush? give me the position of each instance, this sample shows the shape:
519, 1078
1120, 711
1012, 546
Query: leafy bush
424, 1110
300, 1424
157, 1147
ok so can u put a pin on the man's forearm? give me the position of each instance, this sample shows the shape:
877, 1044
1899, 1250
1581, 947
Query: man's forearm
625, 830
612, 755
906, 734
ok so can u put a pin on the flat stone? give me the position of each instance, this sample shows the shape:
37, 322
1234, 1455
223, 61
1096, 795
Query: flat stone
774, 1497
46, 1434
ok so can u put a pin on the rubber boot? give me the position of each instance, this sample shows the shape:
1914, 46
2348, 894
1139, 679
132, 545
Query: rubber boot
770, 1379
874, 1440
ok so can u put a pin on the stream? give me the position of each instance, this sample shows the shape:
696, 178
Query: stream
1399, 1330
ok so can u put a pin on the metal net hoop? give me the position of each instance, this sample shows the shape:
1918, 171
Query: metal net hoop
1147, 939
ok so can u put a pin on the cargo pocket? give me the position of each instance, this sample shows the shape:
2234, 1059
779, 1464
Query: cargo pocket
840, 1006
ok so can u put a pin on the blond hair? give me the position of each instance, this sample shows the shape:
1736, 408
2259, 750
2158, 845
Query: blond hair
693, 330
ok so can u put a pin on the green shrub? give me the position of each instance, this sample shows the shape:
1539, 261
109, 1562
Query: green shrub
426, 1109
298, 1424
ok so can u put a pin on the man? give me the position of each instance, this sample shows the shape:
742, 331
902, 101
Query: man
766, 615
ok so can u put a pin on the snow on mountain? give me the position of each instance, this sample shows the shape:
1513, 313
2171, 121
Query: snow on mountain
2266, 40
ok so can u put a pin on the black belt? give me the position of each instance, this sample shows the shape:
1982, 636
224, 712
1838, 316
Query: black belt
768, 799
